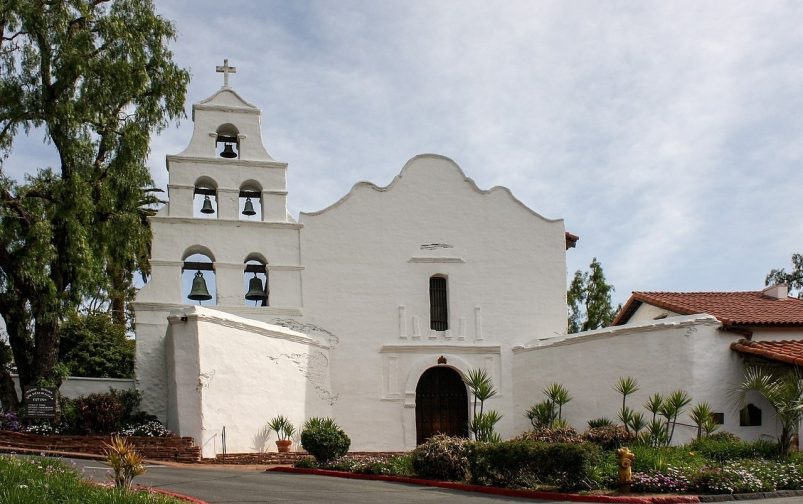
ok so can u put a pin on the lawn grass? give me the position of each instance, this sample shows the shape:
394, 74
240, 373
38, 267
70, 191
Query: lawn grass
25, 480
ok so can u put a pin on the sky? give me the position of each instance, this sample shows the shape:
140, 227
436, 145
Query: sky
667, 135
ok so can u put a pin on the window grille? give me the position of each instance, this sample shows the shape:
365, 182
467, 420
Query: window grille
438, 307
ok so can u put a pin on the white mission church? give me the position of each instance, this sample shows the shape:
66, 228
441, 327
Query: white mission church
371, 310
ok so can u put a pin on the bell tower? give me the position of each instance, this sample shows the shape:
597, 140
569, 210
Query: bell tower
226, 150
225, 238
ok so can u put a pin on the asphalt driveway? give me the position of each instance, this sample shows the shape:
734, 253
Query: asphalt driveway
237, 485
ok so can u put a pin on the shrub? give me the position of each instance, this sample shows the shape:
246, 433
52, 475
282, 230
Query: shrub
442, 457
529, 463
107, 412
324, 439
609, 437
726, 448
649, 458
9, 421
549, 435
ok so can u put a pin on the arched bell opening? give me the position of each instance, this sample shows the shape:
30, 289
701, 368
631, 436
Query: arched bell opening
441, 404
255, 281
227, 142
198, 281
250, 201
204, 200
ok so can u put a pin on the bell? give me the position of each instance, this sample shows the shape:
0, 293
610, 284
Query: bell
199, 291
249, 207
207, 208
255, 290
228, 152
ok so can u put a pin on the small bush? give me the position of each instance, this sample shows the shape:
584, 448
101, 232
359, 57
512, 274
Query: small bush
9, 421
306, 463
599, 422
442, 457
609, 437
548, 435
150, 428
531, 463
125, 462
324, 439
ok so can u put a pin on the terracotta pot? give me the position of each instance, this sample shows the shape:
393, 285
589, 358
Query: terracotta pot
283, 445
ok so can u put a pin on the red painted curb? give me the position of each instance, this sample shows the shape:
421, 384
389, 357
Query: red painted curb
508, 492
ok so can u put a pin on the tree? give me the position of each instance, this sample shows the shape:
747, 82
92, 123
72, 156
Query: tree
794, 279
97, 78
589, 300
94, 345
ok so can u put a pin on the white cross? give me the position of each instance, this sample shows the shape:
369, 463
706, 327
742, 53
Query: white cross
225, 70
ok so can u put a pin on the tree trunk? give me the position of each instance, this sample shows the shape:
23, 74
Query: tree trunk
8, 392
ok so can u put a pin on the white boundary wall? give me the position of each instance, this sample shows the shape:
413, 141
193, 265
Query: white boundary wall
684, 352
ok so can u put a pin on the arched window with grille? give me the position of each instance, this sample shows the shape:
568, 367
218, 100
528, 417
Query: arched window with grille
438, 303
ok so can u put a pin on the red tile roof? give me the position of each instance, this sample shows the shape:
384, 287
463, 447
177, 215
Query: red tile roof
790, 352
750, 308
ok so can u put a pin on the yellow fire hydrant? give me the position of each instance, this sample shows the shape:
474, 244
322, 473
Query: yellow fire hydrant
624, 458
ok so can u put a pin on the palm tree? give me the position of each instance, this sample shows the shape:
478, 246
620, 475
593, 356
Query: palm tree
784, 392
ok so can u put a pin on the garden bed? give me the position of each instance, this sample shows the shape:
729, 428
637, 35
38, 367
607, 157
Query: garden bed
507, 492
175, 449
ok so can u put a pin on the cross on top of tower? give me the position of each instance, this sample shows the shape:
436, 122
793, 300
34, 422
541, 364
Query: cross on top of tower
225, 70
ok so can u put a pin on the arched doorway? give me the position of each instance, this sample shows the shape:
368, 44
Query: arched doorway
441, 404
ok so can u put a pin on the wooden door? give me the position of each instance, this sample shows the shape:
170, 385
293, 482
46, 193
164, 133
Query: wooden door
441, 404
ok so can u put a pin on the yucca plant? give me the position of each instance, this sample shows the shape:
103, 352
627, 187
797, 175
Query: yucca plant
626, 386
673, 405
124, 460
482, 423
700, 413
282, 426
541, 414
558, 395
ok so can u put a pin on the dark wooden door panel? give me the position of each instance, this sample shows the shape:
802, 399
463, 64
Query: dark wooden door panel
441, 404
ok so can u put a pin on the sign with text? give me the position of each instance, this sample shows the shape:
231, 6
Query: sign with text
41, 402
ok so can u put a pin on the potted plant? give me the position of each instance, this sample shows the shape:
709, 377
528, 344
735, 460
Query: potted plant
285, 430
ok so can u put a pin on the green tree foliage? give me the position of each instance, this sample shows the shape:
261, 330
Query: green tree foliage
94, 345
97, 78
793, 279
589, 299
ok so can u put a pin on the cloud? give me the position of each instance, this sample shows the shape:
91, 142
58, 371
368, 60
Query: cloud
667, 135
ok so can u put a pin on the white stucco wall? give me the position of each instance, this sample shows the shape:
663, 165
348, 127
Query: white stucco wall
646, 312
367, 263
684, 352
225, 370
75, 386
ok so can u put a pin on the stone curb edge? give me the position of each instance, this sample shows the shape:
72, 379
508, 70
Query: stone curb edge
508, 492
751, 496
